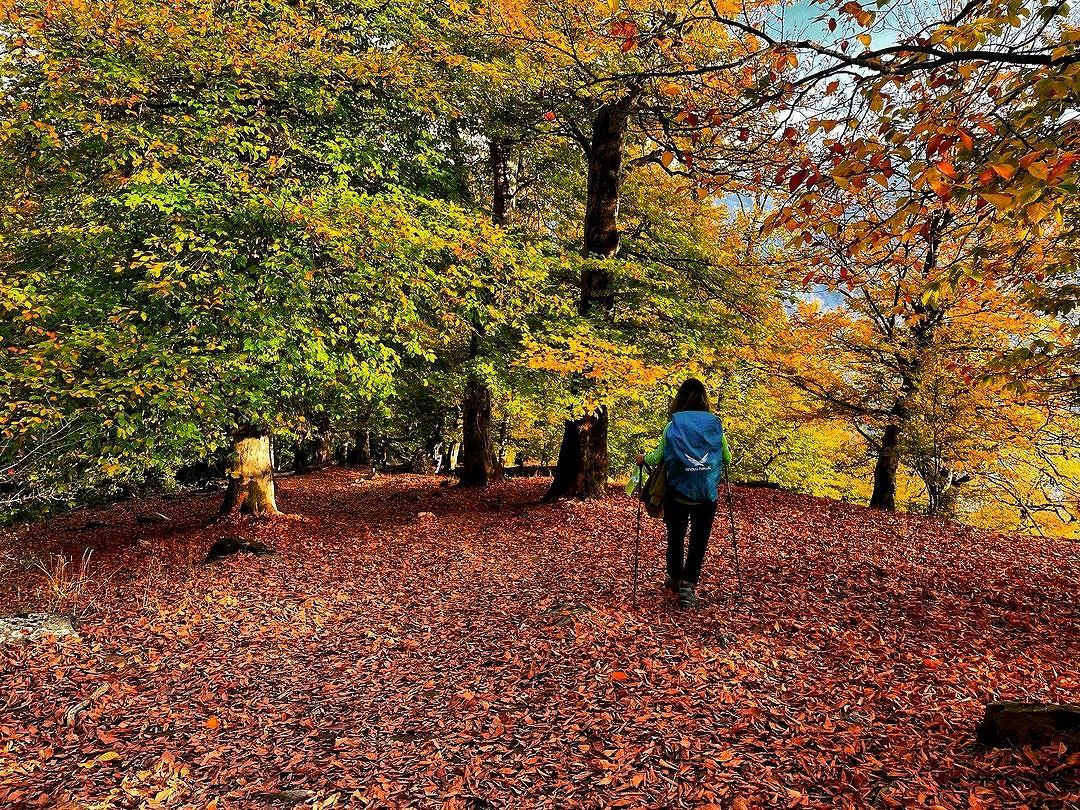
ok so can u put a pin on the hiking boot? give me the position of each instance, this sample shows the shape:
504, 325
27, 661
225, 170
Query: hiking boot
687, 597
672, 585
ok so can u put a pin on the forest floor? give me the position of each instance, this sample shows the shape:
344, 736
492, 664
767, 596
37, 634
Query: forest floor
490, 656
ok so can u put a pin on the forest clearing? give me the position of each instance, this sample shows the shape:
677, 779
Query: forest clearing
418, 645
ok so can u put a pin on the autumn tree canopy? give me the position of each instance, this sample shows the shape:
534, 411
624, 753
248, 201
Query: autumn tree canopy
270, 234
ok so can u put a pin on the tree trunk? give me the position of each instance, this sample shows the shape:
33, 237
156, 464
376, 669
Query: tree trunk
316, 450
313, 454
504, 435
948, 497
941, 489
358, 453
581, 470
479, 465
478, 451
250, 476
602, 203
500, 170
888, 462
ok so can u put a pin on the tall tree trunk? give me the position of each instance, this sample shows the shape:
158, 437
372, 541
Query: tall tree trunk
929, 318
581, 470
361, 455
602, 204
888, 462
504, 436
582, 467
479, 464
500, 171
358, 451
888, 458
312, 454
478, 451
250, 475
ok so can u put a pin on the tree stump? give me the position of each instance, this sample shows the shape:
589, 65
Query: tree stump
235, 545
1036, 724
251, 475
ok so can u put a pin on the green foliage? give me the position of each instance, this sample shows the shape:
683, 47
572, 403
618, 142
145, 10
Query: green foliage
212, 222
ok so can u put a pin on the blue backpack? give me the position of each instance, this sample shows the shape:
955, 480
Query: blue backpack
693, 451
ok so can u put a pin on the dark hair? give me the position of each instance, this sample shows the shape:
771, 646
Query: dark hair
691, 397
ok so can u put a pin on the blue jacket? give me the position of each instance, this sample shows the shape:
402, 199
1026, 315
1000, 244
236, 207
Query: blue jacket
695, 451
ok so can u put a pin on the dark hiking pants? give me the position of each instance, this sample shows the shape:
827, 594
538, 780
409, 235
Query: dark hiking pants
678, 516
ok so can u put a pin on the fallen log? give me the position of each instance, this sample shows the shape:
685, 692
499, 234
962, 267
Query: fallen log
235, 545
758, 484
1009, 724
529, 471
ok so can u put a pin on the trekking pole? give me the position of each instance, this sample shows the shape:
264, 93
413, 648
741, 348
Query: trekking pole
734, 537
637, 533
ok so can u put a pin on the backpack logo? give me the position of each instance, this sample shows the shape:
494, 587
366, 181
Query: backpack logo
697, 464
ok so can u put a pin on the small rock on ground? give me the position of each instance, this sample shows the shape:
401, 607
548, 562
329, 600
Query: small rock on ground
32, 626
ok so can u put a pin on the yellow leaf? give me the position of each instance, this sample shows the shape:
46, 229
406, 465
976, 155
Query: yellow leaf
108, 756
1039, 170
1003, 170
864, 39
1037, 212
999, 201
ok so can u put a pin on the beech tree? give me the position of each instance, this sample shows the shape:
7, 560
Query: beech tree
603, 71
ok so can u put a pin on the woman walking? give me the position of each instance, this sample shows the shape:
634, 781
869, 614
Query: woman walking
695, 449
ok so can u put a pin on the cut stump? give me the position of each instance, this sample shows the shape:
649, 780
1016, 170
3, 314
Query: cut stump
1030, 724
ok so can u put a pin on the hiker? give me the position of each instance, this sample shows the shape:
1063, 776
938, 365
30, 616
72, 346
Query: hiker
695, 450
